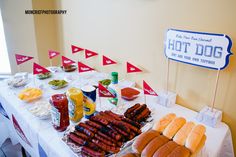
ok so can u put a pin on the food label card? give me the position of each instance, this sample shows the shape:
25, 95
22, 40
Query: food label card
202, 49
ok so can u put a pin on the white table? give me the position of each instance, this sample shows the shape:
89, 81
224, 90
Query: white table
41, 132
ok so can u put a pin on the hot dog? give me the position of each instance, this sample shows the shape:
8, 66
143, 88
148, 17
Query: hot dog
92, 152
146, 115
82, 135
93, 146
130, 110
121, 125
84, 154
131, 135
84, 130
79, 141
105, 117
104, 140
118, 143
138, 110
127, 120
127, 126
94, 130
93, 124
115, 128
112, 133
143, 115
99, 120
106, 147
114, 115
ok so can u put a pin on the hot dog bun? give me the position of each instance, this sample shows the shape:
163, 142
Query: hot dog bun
143, 139
164, 122
194, 138
180, 151
199, 147
181, 136
153, 145
166, 149
173, 127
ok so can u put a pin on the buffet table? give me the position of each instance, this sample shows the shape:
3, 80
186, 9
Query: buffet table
39, 138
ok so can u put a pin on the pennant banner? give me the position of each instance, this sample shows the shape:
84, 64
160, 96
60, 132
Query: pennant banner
83, 68
76, 49
107, 61
131, 68
89, 53
148, 90
38, 69
104, 92
66, 61
19, 131
52, 54
21, 59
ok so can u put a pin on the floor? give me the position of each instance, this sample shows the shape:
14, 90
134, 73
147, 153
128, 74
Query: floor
8, 150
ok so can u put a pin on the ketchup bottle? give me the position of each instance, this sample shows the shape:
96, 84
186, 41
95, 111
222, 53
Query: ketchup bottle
59, 111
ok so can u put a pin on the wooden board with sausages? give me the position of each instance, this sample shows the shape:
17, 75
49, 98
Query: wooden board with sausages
105, 133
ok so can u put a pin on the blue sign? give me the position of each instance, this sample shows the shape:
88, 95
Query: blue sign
207, 50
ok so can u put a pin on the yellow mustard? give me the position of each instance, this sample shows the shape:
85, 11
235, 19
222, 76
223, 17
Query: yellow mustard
89, 107
75, 97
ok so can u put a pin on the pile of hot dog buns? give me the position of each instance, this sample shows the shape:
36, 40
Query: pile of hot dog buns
171, 136
105, 133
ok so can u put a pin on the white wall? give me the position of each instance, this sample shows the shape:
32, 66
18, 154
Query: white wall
19, 31
5, 67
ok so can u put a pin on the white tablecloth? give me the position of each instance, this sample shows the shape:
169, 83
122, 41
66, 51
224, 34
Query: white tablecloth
45, 139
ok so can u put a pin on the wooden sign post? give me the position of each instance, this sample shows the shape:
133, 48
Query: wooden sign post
215, 90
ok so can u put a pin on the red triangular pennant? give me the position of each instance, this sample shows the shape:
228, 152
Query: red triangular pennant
89, 53
19, 131
52, 54
83, 68
38, 69
107, 61
131, 68
21, 58
66, 61
104, 92
76, 49
148, 90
